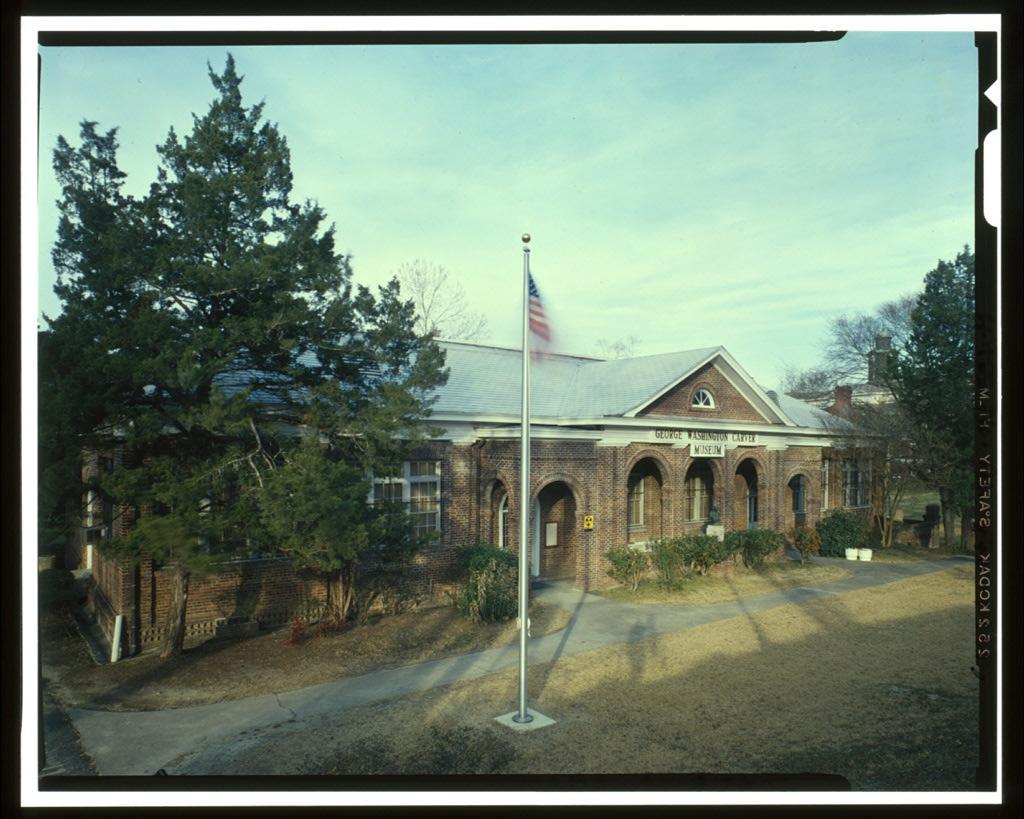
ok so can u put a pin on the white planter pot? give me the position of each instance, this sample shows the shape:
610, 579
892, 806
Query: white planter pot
851, 554
864, 554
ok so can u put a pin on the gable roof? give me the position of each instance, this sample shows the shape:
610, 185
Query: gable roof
486, 381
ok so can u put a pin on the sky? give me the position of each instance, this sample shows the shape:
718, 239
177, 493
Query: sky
687, 195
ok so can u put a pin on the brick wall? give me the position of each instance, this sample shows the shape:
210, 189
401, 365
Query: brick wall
591, 480
729, 404
267, 590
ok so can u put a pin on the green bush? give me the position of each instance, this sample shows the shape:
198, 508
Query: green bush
669, 561
701, 552
754, 544
805, 540
468, 558
489, 590
840, 530
628, 565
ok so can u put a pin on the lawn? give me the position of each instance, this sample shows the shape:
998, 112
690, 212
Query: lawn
219, 670
874, 685
914, 501
909, 553
697, 590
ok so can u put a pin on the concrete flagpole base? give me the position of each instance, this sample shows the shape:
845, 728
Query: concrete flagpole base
538, 721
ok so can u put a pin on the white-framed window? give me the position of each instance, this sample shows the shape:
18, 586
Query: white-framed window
825, 469
635, 501
698, 490
92, 508
99, 514
702, 399
419, 488
502, 521
855, 484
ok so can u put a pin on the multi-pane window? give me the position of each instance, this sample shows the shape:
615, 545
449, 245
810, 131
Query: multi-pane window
798, 486
419, 488
635, 501
855, 484
92, 507
99, 513
825, 467
703, 399
387, 490
698, 491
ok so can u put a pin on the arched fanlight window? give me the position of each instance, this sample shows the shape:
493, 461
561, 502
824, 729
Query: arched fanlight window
703, 399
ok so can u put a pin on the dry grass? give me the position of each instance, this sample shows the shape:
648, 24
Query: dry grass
873, 685
698, 590
910, 553
219, 670
915, 501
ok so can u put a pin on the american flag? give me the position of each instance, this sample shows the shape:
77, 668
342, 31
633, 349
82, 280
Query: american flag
538, 321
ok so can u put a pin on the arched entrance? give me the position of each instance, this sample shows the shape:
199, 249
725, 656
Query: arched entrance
643, 502
554, 533
746, 512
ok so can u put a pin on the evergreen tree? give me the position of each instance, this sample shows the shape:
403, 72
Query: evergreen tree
220, 330
933, 379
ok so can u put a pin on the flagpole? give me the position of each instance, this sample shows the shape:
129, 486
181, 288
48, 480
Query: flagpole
524, 491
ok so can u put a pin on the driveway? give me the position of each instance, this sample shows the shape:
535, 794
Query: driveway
185, 740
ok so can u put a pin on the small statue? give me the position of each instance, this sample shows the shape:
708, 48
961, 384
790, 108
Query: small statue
713, 514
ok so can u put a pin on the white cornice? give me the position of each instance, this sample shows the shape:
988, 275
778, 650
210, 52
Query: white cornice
645, 422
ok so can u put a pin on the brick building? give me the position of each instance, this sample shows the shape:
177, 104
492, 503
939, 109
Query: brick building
623, 451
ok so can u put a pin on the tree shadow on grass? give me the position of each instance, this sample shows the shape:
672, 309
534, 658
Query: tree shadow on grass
732, 710
563, 640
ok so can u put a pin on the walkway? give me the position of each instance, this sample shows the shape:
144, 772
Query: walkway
142, 742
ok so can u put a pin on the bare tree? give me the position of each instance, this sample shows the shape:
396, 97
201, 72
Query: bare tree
810, 382
882, 439
851, 339
441, 307
619, 348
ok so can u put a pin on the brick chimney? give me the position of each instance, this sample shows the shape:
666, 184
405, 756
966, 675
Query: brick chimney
878, 359
842, 403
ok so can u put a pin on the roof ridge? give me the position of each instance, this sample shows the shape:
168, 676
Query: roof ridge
448, 342
662, 355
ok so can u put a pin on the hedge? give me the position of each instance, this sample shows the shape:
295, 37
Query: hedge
754, 544
842, 529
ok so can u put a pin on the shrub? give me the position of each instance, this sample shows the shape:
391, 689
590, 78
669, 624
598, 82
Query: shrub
805, 540
701, 552
628, 565
298, 632
489, 591
754, 544
840, 530
668, 559
469, 557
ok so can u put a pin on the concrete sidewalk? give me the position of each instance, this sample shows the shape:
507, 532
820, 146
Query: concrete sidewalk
142, 742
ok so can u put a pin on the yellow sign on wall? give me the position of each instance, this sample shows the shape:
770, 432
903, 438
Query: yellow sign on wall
588, 521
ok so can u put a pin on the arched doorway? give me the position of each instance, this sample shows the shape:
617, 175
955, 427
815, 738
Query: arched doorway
554, 533
643, 502
746, 512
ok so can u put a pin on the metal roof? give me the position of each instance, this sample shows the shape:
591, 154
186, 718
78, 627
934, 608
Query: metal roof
486, 381
806, 415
